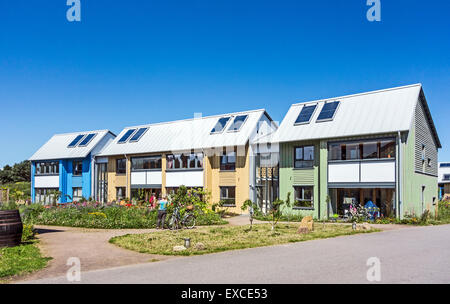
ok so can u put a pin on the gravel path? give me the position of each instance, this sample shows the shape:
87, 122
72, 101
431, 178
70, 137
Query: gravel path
410, 255
91, 246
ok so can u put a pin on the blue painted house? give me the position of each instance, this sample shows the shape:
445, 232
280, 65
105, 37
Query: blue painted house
65, 163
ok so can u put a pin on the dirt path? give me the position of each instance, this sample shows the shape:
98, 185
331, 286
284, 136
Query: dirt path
91, 246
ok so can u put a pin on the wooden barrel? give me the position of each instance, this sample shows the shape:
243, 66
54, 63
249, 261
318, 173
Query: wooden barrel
10, 228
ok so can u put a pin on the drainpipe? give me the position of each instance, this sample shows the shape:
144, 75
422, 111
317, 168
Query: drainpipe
128, 190
204, 170
399, 173
92, 177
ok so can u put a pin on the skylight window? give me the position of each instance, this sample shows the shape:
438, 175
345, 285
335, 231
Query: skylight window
305, 114
87, 140
328, 111
238, 122
126, 136
75, 142
220, 125
137, 136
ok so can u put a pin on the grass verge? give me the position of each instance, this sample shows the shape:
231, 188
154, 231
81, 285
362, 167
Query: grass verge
217, 239
21, 260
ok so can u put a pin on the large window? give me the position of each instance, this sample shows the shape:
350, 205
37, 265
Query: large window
304, 157
146, 163
47, 168
228, 160
370, 149
120, 193
45, 195
185, 161
387, 149
228, 196
77, 168
304, 197
77, 194
121, 166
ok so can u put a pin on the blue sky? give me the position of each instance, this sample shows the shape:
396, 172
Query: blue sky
135, 62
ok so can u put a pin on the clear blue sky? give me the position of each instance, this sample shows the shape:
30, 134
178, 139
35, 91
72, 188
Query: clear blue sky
135, 62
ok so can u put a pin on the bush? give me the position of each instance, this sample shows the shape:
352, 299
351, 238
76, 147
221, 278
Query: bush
111, 216
444, 211
8, 206
27, 233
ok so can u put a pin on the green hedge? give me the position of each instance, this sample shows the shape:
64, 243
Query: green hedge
103, 217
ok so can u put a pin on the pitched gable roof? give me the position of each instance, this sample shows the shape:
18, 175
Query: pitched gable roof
376, 112
188, 134
57, 146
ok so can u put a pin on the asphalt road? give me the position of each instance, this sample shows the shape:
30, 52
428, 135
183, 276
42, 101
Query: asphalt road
409, 255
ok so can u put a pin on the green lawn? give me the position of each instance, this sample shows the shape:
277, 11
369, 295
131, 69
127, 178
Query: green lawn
218, 239
20, 260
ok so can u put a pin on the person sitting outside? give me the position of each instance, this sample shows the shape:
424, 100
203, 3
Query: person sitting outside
162, 212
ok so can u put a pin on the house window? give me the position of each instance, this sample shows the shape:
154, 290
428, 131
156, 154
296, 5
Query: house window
146, 163
387, 149
77, 194
185, 161
303, 197
228, 161
371, 149
121, 166
77, 168
304, 157
228, 196
45, 195
120, 193
335, 151
446, 177
47, 168
429, 162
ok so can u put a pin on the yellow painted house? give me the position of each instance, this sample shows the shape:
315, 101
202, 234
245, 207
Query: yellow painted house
214, 153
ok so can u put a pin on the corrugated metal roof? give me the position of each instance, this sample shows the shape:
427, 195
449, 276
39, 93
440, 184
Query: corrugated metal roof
376, 112
185, 135
56, 147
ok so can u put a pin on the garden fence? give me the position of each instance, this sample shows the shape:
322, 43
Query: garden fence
4, 195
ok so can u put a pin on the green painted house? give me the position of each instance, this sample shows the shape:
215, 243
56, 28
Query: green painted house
379, 147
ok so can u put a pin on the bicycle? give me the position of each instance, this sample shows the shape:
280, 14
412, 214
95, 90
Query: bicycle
188, 220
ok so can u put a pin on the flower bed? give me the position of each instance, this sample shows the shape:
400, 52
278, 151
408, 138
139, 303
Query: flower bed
109, 216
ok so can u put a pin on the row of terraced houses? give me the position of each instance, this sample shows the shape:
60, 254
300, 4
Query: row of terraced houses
379, 146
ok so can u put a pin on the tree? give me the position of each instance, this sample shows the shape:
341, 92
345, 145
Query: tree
20, 172
6, 175
276, 209
252, 208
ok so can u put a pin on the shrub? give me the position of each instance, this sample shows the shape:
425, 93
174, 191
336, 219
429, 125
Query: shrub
27, 233
111, 216
8, 206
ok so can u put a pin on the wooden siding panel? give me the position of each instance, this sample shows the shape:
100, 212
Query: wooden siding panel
303, 177
424, 136
227, 178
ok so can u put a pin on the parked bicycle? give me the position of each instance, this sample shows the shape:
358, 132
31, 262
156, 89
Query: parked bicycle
187, 221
